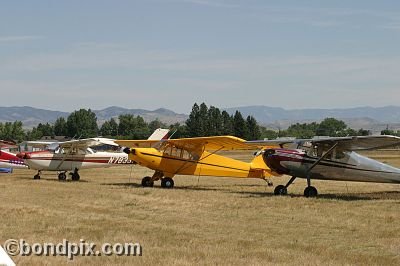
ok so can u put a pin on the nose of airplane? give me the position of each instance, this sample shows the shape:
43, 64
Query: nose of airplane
273, 161
129, 151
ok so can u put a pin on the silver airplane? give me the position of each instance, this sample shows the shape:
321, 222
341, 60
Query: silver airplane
329, 158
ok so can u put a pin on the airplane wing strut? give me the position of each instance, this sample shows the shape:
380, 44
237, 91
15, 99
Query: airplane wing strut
318, 161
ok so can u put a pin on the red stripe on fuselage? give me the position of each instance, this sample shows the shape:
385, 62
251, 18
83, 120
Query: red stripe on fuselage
99, 160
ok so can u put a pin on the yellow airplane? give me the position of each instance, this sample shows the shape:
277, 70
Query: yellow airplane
194, 156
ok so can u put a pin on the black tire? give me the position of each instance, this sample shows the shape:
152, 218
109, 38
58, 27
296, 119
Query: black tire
280, 190
75, 177
62, 176
147, 182
167, 182
310, 192
36, 177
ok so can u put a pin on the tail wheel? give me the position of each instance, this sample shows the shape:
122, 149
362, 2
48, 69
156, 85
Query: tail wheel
280, 190
36, 176
167, 182
147, 181
310, 192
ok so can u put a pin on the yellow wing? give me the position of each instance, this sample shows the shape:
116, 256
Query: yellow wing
222, 143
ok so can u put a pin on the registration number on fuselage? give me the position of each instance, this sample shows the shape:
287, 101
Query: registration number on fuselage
120, 160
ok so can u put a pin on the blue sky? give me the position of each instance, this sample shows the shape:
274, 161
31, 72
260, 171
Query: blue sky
66, 55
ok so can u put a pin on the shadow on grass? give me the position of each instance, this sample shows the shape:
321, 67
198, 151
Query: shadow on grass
122, 184
193, 188
383, 195
54, 180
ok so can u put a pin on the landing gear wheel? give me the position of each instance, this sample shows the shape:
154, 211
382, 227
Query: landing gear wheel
167, 182
147, 182
75, 177
62, 176
310, 192
37, 176
280, 190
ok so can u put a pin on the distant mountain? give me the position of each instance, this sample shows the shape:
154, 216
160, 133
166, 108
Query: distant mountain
162, 114
372, 118
31, 117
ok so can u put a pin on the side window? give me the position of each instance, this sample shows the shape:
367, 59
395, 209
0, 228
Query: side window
185, 154
168, 150
312, 151
175, 152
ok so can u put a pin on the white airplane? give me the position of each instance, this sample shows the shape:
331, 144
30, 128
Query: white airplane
329, 158
8, 160
74, 155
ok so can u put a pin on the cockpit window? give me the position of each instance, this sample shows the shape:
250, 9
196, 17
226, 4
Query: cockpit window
321, 150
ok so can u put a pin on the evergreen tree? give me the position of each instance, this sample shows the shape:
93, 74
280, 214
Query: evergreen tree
204, 121
227, 124
253, 130
193, 124
214, 119
239, 125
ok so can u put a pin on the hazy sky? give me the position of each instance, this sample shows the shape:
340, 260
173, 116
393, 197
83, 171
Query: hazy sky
65, 55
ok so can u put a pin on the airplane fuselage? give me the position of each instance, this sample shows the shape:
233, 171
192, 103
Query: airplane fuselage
350, 167
208, 165
11, 161
48, 161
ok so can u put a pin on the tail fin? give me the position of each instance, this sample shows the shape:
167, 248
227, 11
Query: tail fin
159, 134
258, 161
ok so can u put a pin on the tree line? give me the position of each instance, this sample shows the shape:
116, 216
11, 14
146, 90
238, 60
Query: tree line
328, 127
202, 121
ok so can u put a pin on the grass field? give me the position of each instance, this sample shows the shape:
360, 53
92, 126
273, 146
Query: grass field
206, 220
